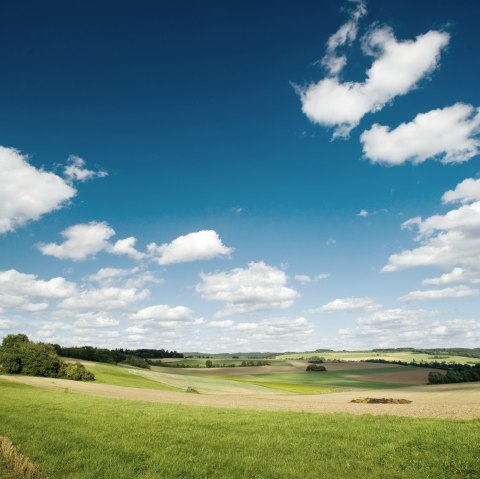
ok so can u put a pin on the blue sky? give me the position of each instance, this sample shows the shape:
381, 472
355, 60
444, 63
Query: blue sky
234, 176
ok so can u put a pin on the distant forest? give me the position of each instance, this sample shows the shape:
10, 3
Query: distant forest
114, 356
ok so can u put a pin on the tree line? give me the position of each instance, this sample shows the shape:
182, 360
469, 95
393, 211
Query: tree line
134, 357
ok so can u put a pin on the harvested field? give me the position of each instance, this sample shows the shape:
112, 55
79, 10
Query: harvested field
239, 371
446, 401
414, 376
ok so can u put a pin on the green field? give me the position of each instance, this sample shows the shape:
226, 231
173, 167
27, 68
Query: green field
6, 471
219, 363
74, 436
318, 382
359, 355
120, 376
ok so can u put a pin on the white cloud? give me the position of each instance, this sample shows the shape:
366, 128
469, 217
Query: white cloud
460, 291
331, 242
7, 324
127, 246
280, 329
95, 320
14, 282
76, 170
163, 312
227, 323
414, 328
84, 241
106, 275
363, 213
447, 241
103, 299
201, 245
465, 192
259, 287
348, 305
81, 241
165, 316
19, 290
449, 134
397, 68
457, 275
305, 278
27, 193
344, 36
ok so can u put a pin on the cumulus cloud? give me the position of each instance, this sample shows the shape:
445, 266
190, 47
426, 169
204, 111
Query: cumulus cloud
460, 291
76, 170
465, 192
127, 246
344, 36
448, 134
280, 329
103, 299
84, 241
107, 275
81, 241
95, 320
305, 278
397, 68
447, 241
259, 287
348, 305
410, 327
227, 323
19, 290
165, 316
27, 193
457, 275
201, 245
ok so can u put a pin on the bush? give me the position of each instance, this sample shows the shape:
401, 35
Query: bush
316, 367
76, 372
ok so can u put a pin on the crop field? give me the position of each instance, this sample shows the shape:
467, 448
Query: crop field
80, 436
362, 355
223, 363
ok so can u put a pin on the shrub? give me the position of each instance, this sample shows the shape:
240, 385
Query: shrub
316, 367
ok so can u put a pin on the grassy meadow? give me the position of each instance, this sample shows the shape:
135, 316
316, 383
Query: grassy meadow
318, 382
75, 436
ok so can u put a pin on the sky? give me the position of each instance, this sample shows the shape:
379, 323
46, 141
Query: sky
240, 176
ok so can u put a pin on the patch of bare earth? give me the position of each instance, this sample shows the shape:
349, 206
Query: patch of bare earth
446, 401
414, 376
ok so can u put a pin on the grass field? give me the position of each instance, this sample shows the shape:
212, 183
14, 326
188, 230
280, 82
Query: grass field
318, 382
359, 355
6, 471
120, 376
73, 436
219, 363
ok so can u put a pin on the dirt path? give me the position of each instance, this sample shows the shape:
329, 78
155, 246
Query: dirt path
446, 401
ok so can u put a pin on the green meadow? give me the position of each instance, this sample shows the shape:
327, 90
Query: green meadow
74, 436
122, 376
318, 382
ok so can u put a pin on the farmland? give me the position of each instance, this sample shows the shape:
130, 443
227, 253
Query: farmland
275, 421
81, 436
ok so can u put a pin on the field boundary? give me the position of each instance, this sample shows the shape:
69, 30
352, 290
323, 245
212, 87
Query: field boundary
21, 465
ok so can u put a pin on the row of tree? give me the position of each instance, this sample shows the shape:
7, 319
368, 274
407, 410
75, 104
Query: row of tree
114, 356
19, 355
